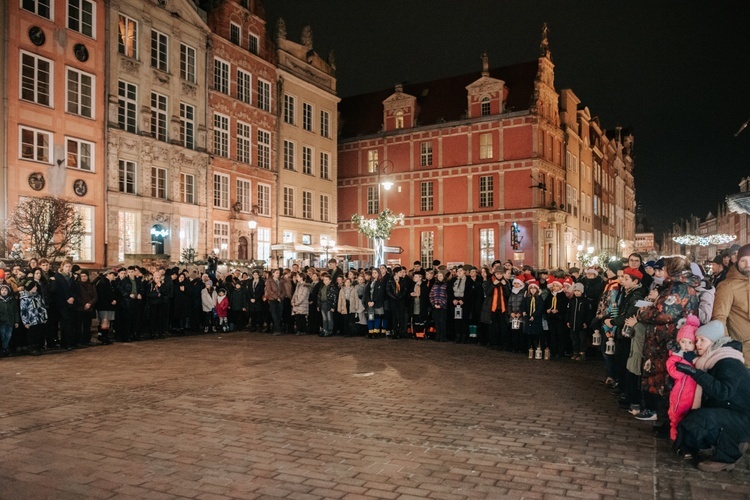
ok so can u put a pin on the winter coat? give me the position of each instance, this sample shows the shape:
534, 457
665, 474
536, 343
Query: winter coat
706, 298
677, 300
726, 384
155, 294
286, 287
33, 309
561, 305
516, 302
355, 305
328, 294
579, 313
105, 294
222, 306
533, 327
10, 313
439, 295
273, 290
182, 302
301, 299
420, 305
86, 293
238, 298
592, 288
256, 291
610, 289
626, 307
375, 292
682, 394
732, 307
396, 295
208, 299
62, 289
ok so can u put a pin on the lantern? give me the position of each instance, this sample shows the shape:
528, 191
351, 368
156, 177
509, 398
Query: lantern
610, 346
538, 353
596, 338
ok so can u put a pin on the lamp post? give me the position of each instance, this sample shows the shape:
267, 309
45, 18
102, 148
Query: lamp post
252, 225
384, 168
328, 244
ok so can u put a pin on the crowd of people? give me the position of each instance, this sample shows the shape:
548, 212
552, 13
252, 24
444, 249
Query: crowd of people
670, 337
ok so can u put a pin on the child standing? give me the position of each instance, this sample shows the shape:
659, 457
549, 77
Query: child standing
533, 313
579, 318
222, 310
208, 305
10, 316
683, 392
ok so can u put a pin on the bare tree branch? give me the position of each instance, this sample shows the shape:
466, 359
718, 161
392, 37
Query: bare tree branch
49, 227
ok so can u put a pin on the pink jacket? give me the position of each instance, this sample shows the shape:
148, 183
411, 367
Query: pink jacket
682, 395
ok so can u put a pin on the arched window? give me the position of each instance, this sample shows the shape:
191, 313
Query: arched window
485, 106
242, 248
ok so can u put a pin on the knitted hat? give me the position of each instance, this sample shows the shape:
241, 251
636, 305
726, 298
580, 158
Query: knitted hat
578, 287
737, 248
634, 273
718, 260
688, 329
713, 330
743, 252
659, 264
649, 263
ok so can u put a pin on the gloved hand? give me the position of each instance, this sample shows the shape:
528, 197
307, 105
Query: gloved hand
686, 369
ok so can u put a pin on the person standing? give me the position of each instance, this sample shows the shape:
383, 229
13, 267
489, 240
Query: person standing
63, 289
439, 303
85, 309
274, 298
732, 301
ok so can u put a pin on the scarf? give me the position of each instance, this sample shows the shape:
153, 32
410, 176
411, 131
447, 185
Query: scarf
498, 292
707, 361
516, 290
532, 305
458, 287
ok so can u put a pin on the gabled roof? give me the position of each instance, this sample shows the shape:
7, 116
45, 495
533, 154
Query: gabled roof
438, 101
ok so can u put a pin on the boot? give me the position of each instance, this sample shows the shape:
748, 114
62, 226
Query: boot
546, 354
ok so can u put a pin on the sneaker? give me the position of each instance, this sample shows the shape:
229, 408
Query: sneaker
711, 466
646, 415
635, 409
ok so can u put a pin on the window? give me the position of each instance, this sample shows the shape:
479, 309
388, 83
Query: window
486, 191
159, 183
264, 200
126, 106
221, 135
79, 154
35, 145
264, 244
235, 34
288, 155
325, 203
575, 164
264, 149
596, 205
567, 160
39, 7
325, 119
36, 79
568, 198
243, 195
126, 177
244, 88
289, 201
81, 16
159, 50
188, 234
221, 239
243, 142
486, 246
187, 63
80, 93
485, 146
426, 196
159, 116
187, 125
221, 76
127, 39
128, 241
485, 106
307, 204
307, 160
426, 248
372, 200
372, 161
575, 202
221, 191
425, 157
253, 43
289, 104
399, 119
264, 95
187, 188
307, 116
85, 249
325, 161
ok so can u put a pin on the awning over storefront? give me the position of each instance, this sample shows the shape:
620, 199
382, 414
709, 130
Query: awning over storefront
292, 247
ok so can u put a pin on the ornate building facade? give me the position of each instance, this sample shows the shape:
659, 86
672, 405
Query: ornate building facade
487, 160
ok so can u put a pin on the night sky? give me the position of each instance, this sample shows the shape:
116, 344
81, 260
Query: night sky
677, 73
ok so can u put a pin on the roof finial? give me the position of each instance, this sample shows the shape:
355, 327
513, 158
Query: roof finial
281, 29
485, 64
307, 37
544, 45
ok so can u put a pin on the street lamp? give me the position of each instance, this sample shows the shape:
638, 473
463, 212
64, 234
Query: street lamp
328, 244
384, 168
252, 225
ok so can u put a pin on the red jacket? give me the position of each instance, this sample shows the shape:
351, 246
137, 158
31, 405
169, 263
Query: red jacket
222, 306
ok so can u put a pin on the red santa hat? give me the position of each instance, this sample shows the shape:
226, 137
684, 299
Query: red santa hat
532, 282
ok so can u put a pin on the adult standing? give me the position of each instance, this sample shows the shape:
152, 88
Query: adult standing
720, 426
64, 291
274, 299
732, 301
636, 262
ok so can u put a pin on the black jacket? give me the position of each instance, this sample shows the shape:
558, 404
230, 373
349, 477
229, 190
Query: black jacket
726, 384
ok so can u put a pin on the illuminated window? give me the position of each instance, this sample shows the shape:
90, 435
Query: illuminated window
243, 142
486, 246
485, 146
426, 248
35, 145
79, 154
426, 198
485, 106
127, 39
486, 191
425, 158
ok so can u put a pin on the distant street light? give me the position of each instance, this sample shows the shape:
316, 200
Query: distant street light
328, 244
252, 225
384, 168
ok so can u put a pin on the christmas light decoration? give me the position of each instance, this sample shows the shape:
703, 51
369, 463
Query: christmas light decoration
704, 241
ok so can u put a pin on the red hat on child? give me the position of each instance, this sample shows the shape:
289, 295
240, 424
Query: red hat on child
688, 329
633, 272
532, 282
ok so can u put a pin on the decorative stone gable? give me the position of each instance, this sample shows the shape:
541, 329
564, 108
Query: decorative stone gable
545, 100
399, 110
485, 90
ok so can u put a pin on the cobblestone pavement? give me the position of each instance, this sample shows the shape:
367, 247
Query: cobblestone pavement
253, 416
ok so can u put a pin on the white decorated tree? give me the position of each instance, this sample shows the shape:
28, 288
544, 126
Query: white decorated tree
379, 230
